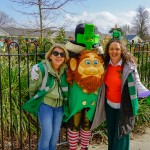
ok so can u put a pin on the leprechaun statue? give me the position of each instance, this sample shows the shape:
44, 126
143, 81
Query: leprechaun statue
85, 76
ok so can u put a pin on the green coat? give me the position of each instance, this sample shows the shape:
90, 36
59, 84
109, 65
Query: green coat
79, 100
34, 102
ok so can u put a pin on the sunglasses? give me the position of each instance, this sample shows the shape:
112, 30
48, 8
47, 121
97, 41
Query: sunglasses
62, 54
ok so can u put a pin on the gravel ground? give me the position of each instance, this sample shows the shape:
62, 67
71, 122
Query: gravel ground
138, 142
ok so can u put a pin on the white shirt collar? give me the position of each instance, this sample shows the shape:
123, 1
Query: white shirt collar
118, 64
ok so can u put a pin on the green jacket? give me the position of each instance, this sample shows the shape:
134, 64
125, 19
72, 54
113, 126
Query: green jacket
79, 100
54, 92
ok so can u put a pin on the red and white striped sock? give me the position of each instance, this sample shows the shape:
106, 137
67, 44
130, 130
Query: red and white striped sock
73, 138
85, 138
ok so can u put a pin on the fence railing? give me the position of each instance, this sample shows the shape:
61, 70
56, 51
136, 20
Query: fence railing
142, 54
19, 130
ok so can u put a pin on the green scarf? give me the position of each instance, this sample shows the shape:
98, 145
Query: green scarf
133, 94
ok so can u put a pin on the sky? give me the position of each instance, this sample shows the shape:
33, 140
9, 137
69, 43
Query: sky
105, 14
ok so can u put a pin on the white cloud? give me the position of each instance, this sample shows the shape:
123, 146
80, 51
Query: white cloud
148, 9
104, 20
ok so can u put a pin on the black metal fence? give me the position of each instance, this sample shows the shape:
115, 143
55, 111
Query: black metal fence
142, 54
19, 130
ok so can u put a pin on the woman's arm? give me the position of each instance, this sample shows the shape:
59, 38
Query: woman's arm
139, 86
35, 83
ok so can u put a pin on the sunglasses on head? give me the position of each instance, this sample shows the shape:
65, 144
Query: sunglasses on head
55, 53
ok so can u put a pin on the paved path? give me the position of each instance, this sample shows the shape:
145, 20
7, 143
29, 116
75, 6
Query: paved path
139, 142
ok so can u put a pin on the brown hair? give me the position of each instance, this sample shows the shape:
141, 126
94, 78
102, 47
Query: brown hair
125, 54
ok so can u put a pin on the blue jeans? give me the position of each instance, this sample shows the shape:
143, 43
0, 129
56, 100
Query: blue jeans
50, 119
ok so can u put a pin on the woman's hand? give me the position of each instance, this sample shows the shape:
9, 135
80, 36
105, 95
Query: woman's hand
34, 74
144, 94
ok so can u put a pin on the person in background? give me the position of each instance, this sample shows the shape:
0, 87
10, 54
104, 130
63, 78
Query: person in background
48, 100
118, 100
1, 45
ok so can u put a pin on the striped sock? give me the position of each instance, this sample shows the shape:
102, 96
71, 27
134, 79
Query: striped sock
85, 138
73, 138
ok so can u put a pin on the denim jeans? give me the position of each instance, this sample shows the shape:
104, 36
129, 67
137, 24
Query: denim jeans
50, 119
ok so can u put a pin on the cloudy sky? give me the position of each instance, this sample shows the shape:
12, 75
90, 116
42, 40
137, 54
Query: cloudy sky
103, 13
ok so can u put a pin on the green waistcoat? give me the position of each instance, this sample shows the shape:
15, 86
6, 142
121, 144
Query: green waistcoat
78, 100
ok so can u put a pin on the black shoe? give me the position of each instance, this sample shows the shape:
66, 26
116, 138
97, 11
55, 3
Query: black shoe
86, 148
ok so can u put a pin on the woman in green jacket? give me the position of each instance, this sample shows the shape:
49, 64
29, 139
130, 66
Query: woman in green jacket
47, 94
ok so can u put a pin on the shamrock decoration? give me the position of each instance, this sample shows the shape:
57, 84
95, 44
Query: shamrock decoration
116, 33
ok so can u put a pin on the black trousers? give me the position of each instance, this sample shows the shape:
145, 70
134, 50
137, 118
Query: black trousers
112, 119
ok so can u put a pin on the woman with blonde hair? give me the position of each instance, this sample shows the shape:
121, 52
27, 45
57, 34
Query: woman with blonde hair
49, 90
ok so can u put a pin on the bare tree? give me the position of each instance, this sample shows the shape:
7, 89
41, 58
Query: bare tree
141, 22
44, 11
5, 20
126, 29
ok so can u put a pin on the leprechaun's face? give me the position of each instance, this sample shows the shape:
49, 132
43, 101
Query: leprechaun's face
91, 65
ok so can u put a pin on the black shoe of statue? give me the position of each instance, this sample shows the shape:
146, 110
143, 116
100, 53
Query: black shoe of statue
86, 148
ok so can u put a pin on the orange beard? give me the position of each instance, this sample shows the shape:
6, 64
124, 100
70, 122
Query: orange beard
90, 83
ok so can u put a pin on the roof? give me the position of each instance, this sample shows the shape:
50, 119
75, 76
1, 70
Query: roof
130, 37
11, 31
16, 32
3, 33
